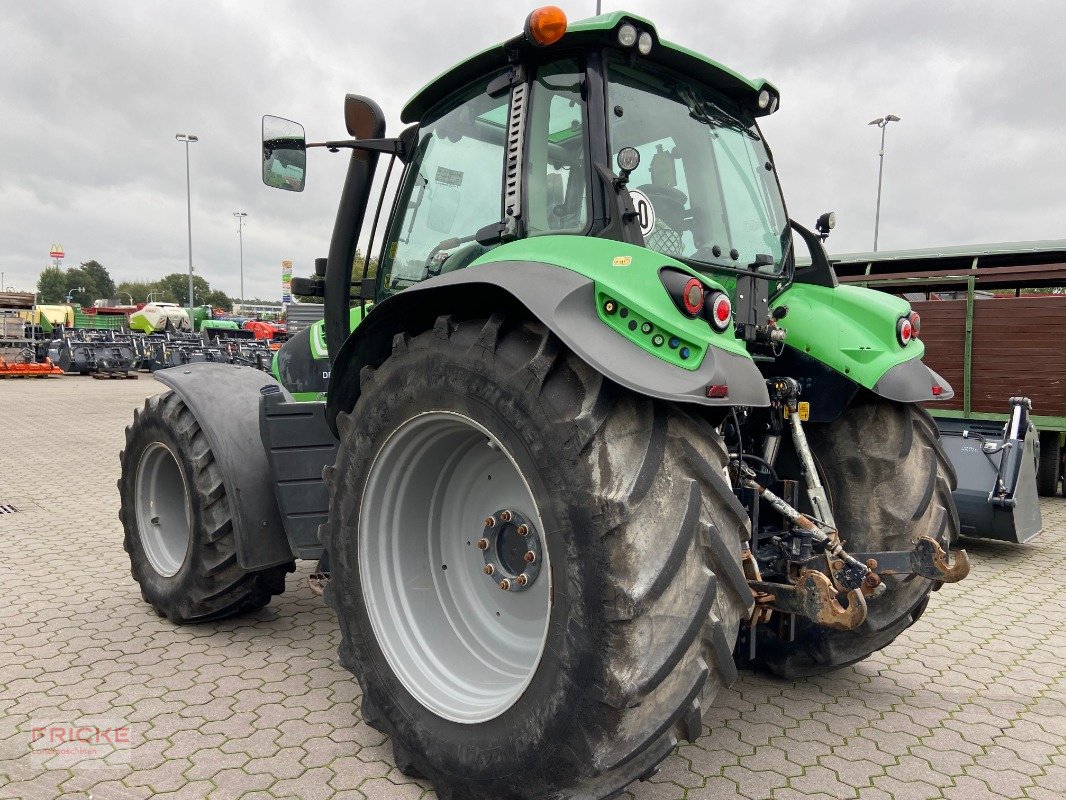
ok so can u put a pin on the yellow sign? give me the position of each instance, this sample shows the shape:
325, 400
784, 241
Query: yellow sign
622, 261
804, 411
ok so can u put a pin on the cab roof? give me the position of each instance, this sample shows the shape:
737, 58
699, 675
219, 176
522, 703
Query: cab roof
593, 32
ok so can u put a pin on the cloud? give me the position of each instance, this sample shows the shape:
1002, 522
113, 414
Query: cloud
93, 95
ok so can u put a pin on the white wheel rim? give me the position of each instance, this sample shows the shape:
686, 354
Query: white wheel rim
463, 647
164, 515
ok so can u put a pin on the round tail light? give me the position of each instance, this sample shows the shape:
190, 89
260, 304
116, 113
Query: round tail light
904, 331
916, 323
721, 312
693, 296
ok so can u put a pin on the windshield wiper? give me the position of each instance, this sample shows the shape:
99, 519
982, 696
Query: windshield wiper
711, 114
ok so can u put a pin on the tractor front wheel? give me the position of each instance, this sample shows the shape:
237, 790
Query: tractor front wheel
178, 523
889, 482
1050, 466
536, 572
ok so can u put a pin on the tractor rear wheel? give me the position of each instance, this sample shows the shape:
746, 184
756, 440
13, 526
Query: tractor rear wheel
1050, 466
889, 482
178, 523
536, 572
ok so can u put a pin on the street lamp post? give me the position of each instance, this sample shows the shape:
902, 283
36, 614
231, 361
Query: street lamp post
882, 123
240, 215
187, 138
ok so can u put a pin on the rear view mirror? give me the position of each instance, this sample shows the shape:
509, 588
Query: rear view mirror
284, 154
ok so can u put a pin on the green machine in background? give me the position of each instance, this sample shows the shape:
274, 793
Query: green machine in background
591, 438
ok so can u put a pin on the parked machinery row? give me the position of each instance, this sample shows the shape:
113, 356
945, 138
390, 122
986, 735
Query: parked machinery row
113, 354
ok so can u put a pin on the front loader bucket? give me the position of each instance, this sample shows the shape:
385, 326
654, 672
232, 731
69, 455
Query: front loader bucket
996, 466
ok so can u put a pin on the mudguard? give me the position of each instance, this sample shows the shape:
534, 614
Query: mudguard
852, 330
566, 302
225, 400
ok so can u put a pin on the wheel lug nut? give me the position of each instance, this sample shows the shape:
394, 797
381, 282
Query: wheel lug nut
482, 544
523, 530
506, 516
488, 569
530, 556
505, 584
489, 522
522, 580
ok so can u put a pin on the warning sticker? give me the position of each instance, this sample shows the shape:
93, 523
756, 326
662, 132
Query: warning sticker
622, 261
449, 177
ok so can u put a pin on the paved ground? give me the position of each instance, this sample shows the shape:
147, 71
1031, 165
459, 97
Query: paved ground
970, 703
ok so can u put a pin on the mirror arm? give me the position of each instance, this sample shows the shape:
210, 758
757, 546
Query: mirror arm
393, 147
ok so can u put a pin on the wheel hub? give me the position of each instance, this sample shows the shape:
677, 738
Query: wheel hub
512, 549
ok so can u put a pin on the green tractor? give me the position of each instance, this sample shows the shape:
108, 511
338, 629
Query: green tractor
585, 442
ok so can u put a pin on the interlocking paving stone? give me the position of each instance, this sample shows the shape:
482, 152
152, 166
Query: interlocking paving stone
970, 703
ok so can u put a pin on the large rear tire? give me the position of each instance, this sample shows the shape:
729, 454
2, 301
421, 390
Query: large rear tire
1050, 466
889, 481
178, 523
586, 680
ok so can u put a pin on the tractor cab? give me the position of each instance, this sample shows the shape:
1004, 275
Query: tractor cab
596, 129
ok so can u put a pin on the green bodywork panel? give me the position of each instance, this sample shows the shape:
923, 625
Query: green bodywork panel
627, 274
587, 33
219, 325
319, 350
848, 328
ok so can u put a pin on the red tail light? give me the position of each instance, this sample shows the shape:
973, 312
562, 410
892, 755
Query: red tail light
937, 390
721, 312
904, 331
916, 322
692, 297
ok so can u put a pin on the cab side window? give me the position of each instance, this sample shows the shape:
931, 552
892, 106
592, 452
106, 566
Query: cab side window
451, 190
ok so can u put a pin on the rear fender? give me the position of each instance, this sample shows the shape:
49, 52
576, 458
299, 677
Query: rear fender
232, 429
527, 276
852, 331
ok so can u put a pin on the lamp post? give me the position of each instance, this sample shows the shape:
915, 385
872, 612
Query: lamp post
187, 138
240, 215
882, 123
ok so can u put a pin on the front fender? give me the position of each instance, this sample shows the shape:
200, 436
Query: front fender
852, 330
567, 302
225, 401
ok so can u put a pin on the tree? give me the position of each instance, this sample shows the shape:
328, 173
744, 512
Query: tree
96, 280
175, 288
138, 290
52, 285
216, 299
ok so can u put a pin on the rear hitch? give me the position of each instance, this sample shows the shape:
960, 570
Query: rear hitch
928, 559
814, 597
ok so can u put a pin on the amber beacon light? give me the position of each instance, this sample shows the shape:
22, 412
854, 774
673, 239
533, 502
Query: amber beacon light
546, 25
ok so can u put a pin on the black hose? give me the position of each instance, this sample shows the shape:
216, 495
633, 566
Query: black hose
764, 462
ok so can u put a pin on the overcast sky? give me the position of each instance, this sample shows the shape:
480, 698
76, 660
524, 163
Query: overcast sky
92, 94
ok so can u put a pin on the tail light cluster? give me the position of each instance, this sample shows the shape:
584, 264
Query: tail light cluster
907, 328
694, 299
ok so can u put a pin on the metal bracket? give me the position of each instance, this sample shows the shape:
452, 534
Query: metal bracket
813, 597
928, 559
